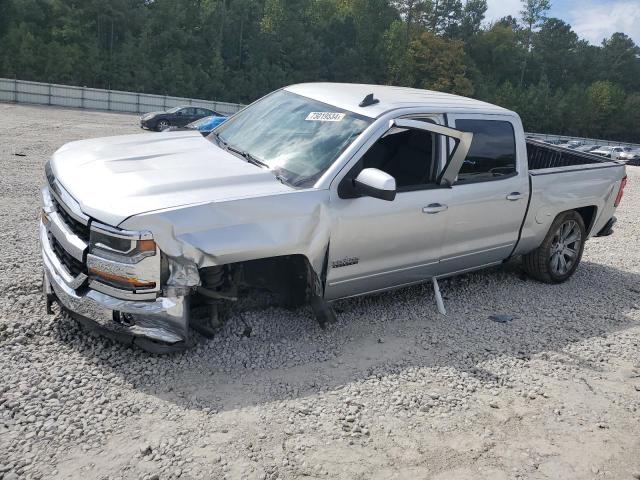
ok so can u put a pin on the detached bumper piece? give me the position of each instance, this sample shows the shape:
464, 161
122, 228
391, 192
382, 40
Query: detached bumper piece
608, 228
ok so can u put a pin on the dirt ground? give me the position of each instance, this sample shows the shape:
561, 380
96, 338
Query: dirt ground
392, 391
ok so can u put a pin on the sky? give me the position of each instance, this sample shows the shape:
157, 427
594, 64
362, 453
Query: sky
592, 20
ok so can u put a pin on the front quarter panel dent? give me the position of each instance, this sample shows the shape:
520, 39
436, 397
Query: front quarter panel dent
219, 233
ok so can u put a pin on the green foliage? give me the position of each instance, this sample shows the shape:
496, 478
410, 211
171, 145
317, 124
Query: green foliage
238, 50
534, 11
436, 63
553, 54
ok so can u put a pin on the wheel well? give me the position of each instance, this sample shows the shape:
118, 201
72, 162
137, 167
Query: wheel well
588, 215
290, 277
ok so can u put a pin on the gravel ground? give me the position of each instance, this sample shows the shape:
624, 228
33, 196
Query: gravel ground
393, 390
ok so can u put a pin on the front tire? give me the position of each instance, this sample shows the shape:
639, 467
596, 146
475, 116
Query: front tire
559, 255
162, 124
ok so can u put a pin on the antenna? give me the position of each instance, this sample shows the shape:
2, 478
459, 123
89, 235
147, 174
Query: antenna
369, 100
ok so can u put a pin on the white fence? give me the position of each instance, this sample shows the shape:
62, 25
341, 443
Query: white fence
22, 91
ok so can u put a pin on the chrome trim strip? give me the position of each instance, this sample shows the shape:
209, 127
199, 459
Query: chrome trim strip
470, 269
72, 244
117, 293
506, 245
384, 289
67, 202
47, 203
50, 259
386, 272
124, 234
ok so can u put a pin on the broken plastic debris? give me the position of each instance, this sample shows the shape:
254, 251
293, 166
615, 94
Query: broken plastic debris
183, 273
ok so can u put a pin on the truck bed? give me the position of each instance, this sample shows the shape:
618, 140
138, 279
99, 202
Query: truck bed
562, 179
542, 155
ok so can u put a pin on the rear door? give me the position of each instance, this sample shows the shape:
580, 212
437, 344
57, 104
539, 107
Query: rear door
489, 195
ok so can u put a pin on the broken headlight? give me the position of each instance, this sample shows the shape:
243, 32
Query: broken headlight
123, 259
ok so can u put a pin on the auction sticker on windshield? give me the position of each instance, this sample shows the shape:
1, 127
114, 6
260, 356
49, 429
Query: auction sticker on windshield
325, 117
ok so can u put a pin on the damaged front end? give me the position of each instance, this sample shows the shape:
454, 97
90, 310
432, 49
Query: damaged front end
115, 281
120, 282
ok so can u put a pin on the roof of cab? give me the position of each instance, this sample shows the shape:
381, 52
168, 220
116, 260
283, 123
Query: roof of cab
348, 96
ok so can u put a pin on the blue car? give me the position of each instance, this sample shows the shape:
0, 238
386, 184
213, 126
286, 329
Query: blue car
205, 125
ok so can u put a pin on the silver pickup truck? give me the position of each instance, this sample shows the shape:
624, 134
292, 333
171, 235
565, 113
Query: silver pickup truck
314, 193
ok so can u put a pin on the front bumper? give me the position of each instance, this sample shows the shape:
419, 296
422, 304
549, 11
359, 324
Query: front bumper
162, 319
148, 123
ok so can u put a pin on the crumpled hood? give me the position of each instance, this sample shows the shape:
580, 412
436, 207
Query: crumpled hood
114, 178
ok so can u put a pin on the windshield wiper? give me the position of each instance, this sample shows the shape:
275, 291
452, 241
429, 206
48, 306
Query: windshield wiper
221, 143
247, 156
283, 180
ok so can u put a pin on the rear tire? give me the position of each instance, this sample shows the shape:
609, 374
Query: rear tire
559, 255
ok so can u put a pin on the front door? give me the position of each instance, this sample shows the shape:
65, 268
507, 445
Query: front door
188, 116
377, 244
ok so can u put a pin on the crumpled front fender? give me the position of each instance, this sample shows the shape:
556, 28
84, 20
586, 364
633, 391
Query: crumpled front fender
220, 233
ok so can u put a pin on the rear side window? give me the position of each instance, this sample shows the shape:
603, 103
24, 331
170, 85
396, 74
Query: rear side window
493, 151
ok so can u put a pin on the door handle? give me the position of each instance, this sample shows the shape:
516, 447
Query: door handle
513, 196
434, 208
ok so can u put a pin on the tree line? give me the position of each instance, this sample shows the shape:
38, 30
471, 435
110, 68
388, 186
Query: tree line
238, 50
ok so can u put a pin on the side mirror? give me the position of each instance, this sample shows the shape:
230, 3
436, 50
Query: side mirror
375, 183
179, 113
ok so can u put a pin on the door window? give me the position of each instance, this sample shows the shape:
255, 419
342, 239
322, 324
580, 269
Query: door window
407, 155
493, 151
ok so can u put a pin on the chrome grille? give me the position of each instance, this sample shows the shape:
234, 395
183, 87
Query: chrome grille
76, 227
73, 266
65, 233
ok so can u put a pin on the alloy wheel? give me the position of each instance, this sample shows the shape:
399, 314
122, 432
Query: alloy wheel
565, 247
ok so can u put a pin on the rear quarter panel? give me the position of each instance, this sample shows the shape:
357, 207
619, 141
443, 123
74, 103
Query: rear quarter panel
557, 190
